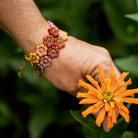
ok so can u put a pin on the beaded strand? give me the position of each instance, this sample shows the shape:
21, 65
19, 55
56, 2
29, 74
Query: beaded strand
44, 53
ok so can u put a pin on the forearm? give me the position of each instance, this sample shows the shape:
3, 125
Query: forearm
24, 23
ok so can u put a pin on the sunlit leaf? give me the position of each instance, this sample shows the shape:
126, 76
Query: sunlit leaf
124, 29
133, 16
128, 64
128, 134
137, 3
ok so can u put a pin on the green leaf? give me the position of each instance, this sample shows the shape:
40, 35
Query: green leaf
128, 134
124, 29
133, 16
5, 114
137, 3
128, 64
39, 121
91, 130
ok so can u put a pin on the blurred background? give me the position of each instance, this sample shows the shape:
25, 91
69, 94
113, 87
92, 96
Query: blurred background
34, 108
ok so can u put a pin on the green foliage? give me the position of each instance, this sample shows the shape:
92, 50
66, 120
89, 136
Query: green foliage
5, 115
128, 134
133, 16
128, 64
91, 130
34, 108
120, 25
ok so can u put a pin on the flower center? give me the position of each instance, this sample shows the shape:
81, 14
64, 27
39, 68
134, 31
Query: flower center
107, 95
33, 58
41, 50
49, 40
53, 51
45, 61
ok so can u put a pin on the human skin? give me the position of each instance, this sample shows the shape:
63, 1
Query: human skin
22, 20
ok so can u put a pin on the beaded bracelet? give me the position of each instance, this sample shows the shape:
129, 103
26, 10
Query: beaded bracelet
44, 53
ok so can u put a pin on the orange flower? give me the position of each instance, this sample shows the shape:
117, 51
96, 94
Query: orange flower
107, 97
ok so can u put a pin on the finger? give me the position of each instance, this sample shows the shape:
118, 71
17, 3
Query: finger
105, 125
105, 122
95, 75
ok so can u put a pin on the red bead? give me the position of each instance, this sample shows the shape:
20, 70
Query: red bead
55, 35
53, 52
44, 38
50, 33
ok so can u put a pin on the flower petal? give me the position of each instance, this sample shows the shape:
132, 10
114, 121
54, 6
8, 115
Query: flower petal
110, 124
112, 76
84, 95
88, 101
113, 116
125, 84
88, 86
93, 82
107, 83
119, 91
101, 75
121, 106
120, 80
87, 111
117, 99
107, 108
97, 107
123, 114
112, 104
111, 73
129, 92
100, 117
113, 80
92, 93
130, 100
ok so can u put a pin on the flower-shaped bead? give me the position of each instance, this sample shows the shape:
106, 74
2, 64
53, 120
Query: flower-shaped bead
53, 52
33, 58
45, 61
59, 43
38, 67
53, 31
48, 40
41, 50
63, 35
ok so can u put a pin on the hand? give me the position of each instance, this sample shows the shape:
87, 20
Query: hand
75, 61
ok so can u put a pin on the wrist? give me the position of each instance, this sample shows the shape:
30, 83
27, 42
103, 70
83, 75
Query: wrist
33, 37
63, 66
44, 53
